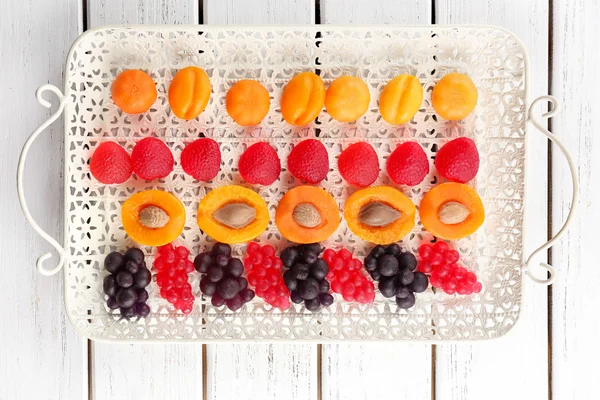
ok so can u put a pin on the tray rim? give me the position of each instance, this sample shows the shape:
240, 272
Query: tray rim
315, 28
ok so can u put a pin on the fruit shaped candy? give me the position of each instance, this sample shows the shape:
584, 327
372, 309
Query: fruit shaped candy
222, 279
264, 274
259, 164
347, 277
173, 266
134, 91
151, 159
408, 164
347, 98
358, 164
307, 214
189, 92
441, 262
201, 159
395, 270
232, 214
306, 276
125, 285
400, 99
451, 211
303, 98
458, 160
308, 161
247, 102
110, 163
380, 214
454, 96
153, 217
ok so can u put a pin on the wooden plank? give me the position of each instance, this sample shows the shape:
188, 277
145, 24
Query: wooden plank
349, 371
575, 81
260, 371
145, 371
109, 12
471, 371
375, 12
249, 12
39, 344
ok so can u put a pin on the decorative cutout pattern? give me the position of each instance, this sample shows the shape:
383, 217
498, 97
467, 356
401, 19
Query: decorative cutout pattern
494, 59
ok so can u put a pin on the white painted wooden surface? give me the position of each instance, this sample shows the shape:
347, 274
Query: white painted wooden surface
468, 371
145, 371
265, 371
41, 354
575, 81
40, 346
351, 370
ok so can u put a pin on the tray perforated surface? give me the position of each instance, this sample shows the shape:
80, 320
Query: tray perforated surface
493, 58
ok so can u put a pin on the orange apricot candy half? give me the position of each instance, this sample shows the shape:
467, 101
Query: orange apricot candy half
452, 211
454, 96
303, 98
347, 98
189, 92
247, 102
134, 91
153, 217
232, 214
380, 214
307, 214
400, 99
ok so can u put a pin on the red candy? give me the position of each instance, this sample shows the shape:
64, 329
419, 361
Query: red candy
264, 273
347, 278
259, 164
110, 163
408, 164
440, 261
173, 267
458, 160
151, 159
201, 159
359, 165
308, 161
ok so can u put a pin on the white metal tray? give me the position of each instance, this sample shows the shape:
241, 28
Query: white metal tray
494, 58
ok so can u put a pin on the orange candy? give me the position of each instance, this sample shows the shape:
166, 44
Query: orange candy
454, 96
137, 227
347, 98
303, 98
189, 92
400, 99
134, 91
247, 102
451, 211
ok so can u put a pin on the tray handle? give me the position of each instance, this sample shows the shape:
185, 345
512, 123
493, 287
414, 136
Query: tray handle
554, 109
59, 249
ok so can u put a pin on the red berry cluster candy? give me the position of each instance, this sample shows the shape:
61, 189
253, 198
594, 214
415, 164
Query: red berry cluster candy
173, 267
441, 263
264, 273
346, 277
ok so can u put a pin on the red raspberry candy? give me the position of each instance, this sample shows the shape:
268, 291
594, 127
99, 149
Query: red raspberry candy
264, 273
440, 261
259, 164
346, 277
408, 164
308, 161
458, 160
110, 163
201, 159
359, 165
172, 279
151, 159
